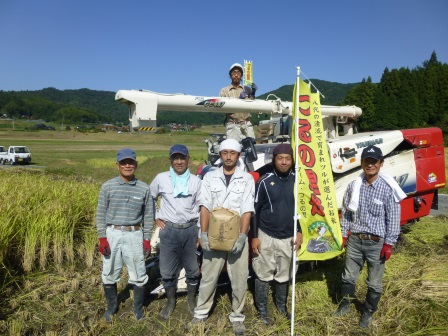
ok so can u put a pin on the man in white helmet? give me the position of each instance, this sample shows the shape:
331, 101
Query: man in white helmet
232, 188
238, 125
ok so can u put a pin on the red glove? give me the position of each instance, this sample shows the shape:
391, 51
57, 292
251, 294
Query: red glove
146, 247
344, 242
386, 252
104, 247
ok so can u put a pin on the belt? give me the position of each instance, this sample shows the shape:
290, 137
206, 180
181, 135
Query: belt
237, 122
182, 225
124, 227
367, 236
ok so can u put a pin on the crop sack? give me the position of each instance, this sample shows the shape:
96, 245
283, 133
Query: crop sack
224, 229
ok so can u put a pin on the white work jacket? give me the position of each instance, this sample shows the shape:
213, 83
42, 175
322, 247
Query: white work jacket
237, 196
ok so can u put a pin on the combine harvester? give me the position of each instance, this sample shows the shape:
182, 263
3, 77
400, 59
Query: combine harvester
414, 157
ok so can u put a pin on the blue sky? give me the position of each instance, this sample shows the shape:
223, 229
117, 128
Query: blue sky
188, 46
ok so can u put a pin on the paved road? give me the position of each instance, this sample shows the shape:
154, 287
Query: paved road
29, 166
443, 206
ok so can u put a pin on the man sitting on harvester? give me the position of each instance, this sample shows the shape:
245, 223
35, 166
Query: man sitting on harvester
238, 125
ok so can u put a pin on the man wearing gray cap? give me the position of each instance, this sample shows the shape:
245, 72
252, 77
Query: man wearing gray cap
232, 188
124, 221
177, 219
370, 227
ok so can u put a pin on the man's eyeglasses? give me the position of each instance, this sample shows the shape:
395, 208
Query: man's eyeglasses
371, 161
179, 157
127, 162
236, 72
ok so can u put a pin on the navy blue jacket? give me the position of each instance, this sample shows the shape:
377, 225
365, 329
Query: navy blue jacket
274, 205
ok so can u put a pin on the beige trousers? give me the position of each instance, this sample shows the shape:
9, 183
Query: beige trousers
238, 271
275, 259
239, 132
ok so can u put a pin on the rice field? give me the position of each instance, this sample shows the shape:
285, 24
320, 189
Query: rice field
50, 265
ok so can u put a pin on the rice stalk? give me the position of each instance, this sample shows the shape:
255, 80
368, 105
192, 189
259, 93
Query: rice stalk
51, 213
16, 327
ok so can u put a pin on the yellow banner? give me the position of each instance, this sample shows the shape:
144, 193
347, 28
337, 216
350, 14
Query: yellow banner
316, 196
248, 75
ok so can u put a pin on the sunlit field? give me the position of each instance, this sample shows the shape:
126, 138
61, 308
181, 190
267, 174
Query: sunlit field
51, 268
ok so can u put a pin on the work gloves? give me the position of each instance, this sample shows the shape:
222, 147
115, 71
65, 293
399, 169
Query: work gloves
239, 244
104, 247
254, 90
146, 247
344, 242
386, 252
248, 92
204, 241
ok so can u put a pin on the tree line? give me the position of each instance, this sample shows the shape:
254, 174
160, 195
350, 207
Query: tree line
402, 99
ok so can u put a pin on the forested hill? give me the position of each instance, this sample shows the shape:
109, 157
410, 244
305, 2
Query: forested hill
332, 93
90, 106
72, 106
404, 98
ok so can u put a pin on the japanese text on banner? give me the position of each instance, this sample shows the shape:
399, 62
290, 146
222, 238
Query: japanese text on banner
316, 198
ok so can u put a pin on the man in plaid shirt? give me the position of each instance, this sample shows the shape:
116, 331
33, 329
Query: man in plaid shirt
369, 230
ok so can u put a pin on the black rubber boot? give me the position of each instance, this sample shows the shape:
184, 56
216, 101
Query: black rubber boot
110, 291
261, 300
370, 306
191, 297
170, 293
281, 296
139, 298
347, 293
366, 319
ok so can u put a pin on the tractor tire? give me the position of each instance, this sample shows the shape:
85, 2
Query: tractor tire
11, 162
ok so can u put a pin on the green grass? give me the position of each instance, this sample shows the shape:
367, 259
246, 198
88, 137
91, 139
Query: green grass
73, 153
50, 266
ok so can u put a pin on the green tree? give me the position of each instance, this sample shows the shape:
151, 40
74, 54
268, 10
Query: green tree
363, 96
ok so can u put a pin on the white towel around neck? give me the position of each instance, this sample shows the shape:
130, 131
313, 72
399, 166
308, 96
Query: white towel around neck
398, 192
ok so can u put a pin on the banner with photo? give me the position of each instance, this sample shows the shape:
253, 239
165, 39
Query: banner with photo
316, 203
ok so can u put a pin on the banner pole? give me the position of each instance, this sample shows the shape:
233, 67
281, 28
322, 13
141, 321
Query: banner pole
296, 193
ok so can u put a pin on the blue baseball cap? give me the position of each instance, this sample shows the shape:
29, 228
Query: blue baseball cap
126, 153
372, 152
179, 149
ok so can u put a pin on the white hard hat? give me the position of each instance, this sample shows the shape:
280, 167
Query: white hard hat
236, 65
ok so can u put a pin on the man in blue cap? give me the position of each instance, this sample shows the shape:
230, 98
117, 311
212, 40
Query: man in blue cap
370, 227
124, 220
177, 219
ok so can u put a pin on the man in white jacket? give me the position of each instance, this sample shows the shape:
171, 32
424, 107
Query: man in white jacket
232, 188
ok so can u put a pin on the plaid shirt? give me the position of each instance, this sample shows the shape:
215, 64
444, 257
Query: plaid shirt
377, 213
